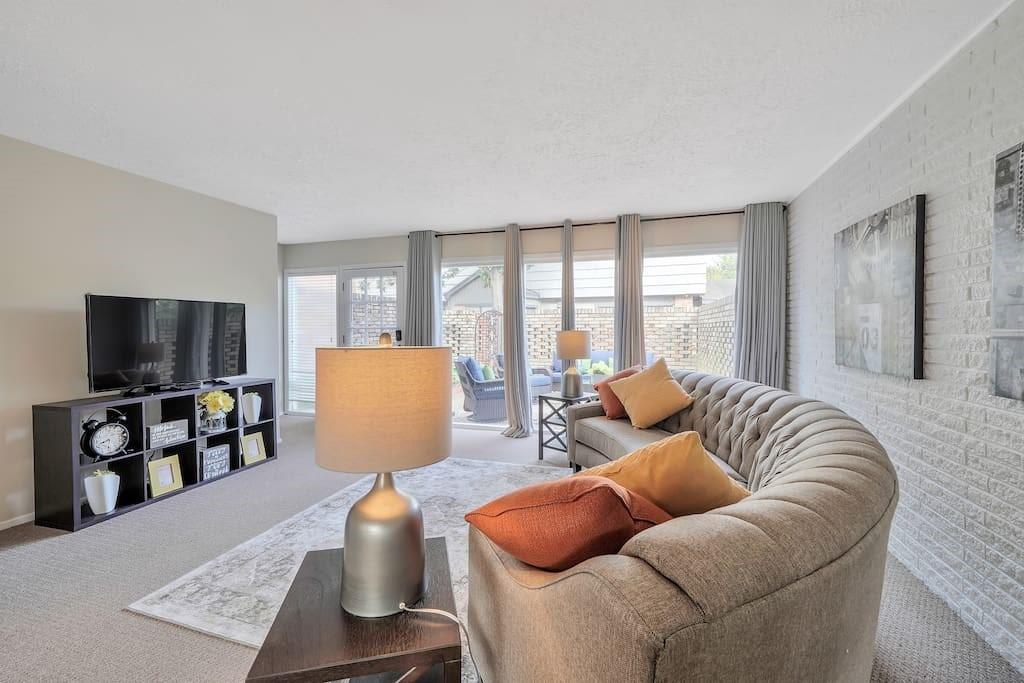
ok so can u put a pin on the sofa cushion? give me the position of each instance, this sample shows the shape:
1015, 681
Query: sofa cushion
651, 395
733, 474
614, 438
676, 474
539, 380
555, 525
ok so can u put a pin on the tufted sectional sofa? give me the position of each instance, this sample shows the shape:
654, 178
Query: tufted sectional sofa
782, 586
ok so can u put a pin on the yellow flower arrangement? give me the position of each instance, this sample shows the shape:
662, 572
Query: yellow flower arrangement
217, 401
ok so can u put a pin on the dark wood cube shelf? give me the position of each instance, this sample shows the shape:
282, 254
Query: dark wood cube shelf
61, 466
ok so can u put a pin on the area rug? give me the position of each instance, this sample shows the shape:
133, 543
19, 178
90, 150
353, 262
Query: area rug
237, 595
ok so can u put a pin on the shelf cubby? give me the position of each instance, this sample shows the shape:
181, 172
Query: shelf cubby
269, 432
132, 489
266, 394
187, 461
134, 421
60, 466
160, 410
233, 418
229, 438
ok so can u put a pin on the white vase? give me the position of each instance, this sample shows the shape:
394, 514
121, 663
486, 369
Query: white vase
251, 406
101, 492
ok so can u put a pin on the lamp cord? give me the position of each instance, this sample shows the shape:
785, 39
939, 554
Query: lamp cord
447, 615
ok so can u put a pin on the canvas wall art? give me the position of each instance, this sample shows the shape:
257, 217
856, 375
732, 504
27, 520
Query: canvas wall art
1007, 372
879, 291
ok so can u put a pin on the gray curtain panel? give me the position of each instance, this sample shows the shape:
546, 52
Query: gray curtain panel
568, 297
629, 292
513, 329
423, 290
761, 295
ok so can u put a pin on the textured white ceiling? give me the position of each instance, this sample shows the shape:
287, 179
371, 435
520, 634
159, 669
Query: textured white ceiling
353, 118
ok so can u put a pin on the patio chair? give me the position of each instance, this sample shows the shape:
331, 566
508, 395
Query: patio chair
483, 400
540, 381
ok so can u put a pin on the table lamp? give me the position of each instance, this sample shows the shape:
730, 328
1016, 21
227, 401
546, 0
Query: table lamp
381, 410
572, 345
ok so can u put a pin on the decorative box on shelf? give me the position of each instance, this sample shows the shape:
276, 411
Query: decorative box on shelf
215, 461
168, 433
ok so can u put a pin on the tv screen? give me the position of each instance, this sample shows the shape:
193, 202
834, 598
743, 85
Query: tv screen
145, 342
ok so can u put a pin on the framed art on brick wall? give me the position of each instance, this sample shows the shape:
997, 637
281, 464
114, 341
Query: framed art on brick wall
879, 291
1007, 372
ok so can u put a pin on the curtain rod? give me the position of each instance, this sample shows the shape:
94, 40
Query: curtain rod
610, 221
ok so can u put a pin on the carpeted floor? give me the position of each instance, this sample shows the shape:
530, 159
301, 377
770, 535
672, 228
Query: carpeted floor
62, 595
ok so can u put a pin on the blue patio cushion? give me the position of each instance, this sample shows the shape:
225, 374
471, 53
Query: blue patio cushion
540, 381
475, 371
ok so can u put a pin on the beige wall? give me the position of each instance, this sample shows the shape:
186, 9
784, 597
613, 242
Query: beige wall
69, 226
364, 252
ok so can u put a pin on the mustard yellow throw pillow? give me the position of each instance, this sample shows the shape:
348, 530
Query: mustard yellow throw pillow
676, 474
651, 395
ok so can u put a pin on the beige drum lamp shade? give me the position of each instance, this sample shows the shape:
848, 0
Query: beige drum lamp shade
573, 344
383, 409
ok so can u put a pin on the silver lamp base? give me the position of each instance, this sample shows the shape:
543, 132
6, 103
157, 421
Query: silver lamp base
572, 382
385, 554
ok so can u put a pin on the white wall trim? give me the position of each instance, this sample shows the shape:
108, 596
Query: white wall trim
901, 100
15, 521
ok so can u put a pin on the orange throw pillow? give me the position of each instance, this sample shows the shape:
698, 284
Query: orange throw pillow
613, 408
556, 525
676, 474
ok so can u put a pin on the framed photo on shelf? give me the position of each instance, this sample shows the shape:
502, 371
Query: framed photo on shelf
253, 448
164, 475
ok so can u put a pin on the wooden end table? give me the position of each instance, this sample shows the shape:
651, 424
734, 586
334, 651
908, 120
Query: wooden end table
552, 424
314, 639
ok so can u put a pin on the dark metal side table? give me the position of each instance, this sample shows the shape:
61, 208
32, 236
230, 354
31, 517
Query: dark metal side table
552, 423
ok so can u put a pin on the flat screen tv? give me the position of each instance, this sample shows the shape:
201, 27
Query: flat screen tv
136, 342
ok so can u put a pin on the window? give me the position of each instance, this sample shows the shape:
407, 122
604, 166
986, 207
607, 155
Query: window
594, 288
311, 320
689, 311
542, 284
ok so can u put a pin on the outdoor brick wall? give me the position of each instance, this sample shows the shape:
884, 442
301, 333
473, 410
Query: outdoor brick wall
671, 332
716, 321
958, 450
459, 331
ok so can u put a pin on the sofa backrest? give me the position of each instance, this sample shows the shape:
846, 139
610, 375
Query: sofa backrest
735, 419
732, 416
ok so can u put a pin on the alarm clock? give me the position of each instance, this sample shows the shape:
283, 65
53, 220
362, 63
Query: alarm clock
105, 438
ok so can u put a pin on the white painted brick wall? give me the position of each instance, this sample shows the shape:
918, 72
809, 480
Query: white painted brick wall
959, 451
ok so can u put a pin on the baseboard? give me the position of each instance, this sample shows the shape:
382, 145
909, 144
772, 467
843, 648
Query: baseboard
15, 521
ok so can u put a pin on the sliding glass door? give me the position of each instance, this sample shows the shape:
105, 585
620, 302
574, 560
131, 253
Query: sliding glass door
472, 300
311, 320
